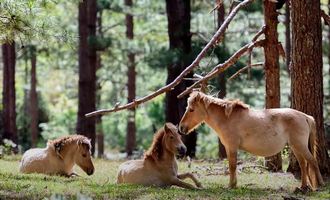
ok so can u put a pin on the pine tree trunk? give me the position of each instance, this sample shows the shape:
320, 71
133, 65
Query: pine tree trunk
87, 69
272, 72
98, 119
8, 95
287, 37
222, 81
306, 72
178, 16
34, 98
131, 74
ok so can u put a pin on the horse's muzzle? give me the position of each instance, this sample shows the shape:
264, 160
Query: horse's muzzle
90, 171
183, 130
182, 150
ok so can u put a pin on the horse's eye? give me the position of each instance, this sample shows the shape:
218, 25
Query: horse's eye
171, 137
84, 155
191, 110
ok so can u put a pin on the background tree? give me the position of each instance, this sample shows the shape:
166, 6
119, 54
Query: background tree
306, 72
178, 16
33, 97
287, 36
8, 94
131, 74
222, 79
87, 68
272, 71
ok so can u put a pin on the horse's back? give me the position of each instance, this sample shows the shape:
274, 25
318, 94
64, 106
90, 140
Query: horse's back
265, 132
33, 160
138, 172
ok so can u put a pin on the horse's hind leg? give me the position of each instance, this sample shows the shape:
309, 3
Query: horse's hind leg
303, 169
314, 168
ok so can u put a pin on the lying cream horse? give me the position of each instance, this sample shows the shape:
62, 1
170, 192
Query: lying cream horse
261, 132
159, 167
59, 157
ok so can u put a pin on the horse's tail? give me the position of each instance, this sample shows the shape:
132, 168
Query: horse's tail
312, 145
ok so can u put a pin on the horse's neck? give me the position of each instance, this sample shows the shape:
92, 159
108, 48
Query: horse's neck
216, 117
68, 156
167, 159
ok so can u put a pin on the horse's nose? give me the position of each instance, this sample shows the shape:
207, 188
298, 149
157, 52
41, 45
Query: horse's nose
182, 150
90, 171
182, 129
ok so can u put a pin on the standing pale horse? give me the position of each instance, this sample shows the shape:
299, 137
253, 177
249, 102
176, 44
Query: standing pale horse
159, 167
59, 157
260, 132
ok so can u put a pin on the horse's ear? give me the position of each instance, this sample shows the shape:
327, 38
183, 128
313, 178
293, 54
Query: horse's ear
166, 128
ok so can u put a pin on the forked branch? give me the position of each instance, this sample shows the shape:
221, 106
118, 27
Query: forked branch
214, 41
223, 66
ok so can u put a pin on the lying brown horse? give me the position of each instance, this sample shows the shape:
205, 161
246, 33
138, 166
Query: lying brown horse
260, 132
59, 157
159, 167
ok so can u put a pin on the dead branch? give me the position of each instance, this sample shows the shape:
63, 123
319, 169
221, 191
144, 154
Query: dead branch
325, 17
214, 41
223, 66
245, 68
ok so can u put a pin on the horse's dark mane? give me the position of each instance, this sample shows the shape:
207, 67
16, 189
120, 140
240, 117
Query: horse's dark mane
156, 149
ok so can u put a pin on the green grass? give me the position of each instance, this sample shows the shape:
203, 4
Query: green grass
101, 185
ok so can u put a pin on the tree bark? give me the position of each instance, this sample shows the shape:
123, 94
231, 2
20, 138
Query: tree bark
272, 72
34, 98
131, 74
98, 119
222, 81
306, 73
178, 15
87, 69
287, 37
8, 95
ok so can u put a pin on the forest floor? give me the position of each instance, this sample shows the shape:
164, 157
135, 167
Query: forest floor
253, 183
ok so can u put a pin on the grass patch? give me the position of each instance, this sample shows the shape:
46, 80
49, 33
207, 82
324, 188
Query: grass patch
101, 185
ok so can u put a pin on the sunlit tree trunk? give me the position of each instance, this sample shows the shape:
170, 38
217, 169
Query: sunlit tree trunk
272, 71
8, 95
87, 69
178, 16
306, 73
222, 81
33, 98
131, 75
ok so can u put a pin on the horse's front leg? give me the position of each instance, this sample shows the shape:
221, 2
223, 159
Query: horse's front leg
232, 158
176, 181
192, 177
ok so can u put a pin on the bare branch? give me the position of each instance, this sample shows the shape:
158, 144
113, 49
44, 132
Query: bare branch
325, 17
243, 69
214, 41
223, 66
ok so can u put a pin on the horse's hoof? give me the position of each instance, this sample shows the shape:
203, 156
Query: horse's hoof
199, 185
303, 190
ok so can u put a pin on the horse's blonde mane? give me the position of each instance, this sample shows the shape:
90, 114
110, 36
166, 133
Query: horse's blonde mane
156, 149
228, 104
59, 143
